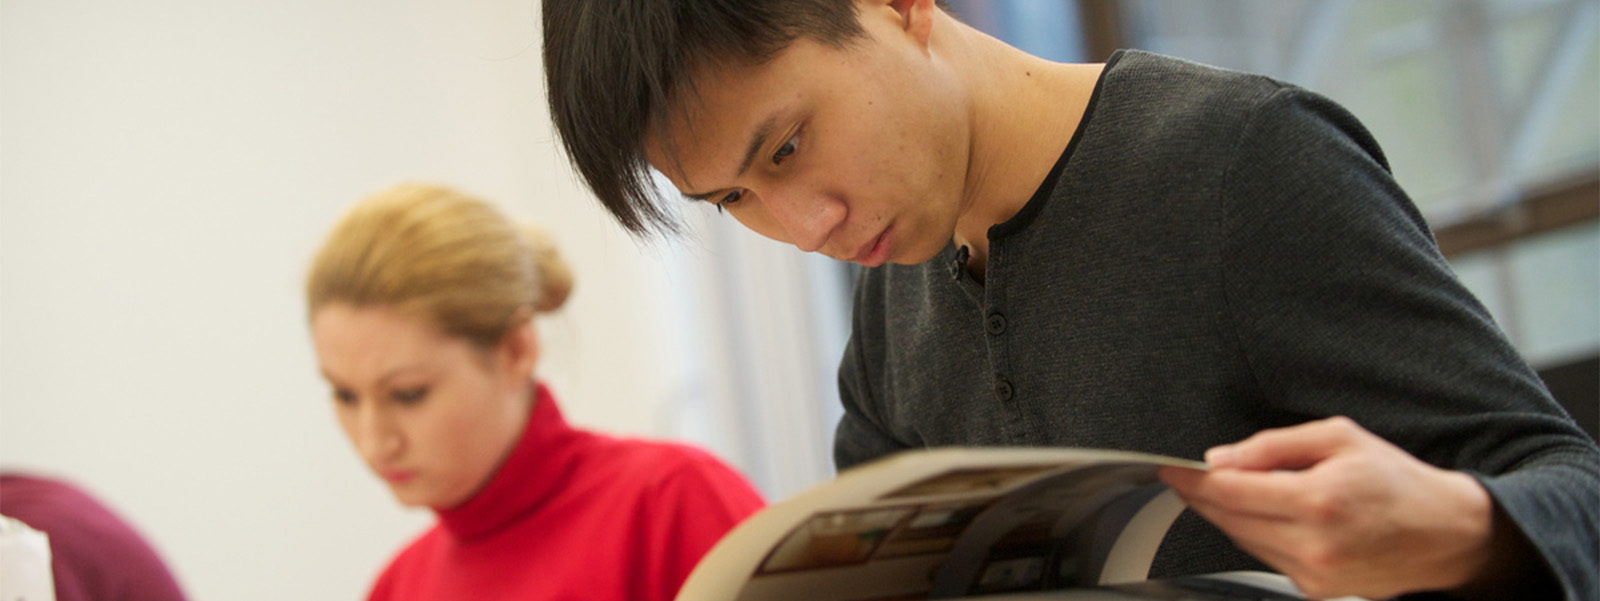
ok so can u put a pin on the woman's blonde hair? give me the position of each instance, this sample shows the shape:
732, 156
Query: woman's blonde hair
453, 259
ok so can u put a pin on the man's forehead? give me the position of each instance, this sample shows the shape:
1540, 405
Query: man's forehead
701, 134
662, 154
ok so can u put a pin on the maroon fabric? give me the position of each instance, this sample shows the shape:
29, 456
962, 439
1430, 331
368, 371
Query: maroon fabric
574, 515
94, 554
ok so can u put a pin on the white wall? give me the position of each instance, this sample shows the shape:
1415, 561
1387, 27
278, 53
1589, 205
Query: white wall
166, 170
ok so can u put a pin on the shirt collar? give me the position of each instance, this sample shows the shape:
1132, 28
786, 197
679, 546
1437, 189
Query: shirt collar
531, 473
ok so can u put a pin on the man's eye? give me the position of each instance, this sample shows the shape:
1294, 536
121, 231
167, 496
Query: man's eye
410, 395
729, 199
784, 151
344, 397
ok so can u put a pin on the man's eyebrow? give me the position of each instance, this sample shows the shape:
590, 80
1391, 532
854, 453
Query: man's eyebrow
757, 140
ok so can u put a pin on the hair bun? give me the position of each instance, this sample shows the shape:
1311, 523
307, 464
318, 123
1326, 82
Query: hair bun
555, 277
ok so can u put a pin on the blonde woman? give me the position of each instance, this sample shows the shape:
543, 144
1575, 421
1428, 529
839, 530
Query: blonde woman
421, 305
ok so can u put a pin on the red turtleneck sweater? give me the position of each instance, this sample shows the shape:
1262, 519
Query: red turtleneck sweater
574, 515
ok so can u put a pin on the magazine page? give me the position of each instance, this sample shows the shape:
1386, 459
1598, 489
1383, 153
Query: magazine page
1221, 586
950, 522
1226, 586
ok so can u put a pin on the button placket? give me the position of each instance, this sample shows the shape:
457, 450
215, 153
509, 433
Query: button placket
998, 334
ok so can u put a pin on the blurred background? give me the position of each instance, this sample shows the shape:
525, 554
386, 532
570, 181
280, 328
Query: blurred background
167, 168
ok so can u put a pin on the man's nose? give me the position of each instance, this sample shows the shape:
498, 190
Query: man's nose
808, 219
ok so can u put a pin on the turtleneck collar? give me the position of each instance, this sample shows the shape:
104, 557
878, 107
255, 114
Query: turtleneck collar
529, 475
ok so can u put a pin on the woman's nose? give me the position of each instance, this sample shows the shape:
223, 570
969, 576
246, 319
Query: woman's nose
378, 439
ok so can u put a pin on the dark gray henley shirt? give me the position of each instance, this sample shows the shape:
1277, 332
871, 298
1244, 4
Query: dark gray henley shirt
1216, 253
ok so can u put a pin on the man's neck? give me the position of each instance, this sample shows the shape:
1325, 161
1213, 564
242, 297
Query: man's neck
1025, 110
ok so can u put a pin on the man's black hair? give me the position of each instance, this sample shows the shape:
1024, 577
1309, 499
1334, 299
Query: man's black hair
614, 69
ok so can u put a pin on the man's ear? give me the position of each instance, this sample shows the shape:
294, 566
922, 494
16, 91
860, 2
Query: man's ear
916, 17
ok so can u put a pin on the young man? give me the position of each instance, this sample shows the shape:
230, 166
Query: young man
1148, 254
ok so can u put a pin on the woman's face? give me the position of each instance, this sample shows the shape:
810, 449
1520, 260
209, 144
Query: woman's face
430, 413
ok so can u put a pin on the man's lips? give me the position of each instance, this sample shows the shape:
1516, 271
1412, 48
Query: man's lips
876, 251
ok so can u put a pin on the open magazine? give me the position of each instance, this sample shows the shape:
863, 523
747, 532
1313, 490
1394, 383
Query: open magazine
1006, 524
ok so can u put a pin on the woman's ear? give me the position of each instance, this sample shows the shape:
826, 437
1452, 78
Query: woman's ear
519, 351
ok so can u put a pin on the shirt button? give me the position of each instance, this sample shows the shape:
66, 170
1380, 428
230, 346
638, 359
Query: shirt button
960, 263
1003, 390
996, 324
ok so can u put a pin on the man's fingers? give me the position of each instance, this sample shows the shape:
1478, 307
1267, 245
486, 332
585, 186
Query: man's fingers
1290, 547
1294, 447
1276, 495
